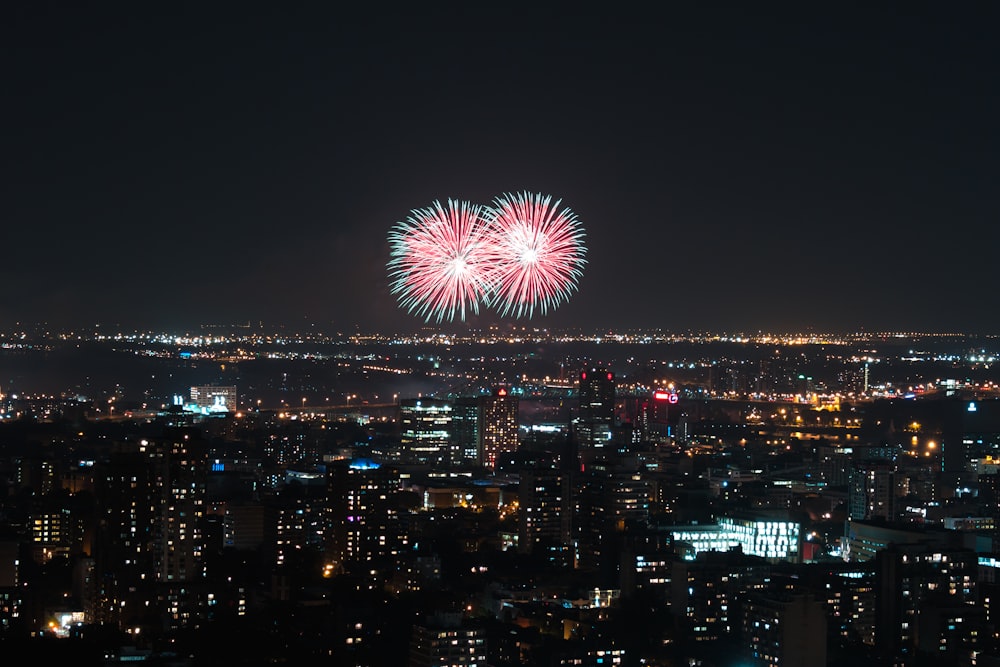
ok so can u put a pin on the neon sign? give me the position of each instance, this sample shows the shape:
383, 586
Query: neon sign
668, 396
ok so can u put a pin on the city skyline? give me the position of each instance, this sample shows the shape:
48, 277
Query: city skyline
734, 169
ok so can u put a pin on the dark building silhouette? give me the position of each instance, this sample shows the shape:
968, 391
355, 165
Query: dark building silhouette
545, 516
917, 588
597, 408
789, 631
364, 515
445, 640
150, 544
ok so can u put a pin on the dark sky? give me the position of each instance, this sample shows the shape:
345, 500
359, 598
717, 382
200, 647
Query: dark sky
737, 166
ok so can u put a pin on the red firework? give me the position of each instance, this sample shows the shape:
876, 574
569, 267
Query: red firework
440, 262
538, 253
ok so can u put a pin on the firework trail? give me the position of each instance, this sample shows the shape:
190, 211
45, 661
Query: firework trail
441, 264
537, 253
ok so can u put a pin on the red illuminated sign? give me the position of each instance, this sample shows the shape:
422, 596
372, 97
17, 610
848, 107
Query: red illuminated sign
668, 396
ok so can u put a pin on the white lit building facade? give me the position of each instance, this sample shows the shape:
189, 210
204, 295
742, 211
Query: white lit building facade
775, 539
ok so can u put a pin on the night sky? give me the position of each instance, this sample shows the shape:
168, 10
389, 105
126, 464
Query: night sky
736, 166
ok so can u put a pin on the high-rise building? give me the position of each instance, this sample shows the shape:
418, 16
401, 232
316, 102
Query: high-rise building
466, 434
655, 414
364, 514
56, 530
483, 427
545, 516
149, 546
847, 591
444, 640
298, 517
425, 431
498, 426
785, 631
705, 591
874, 489
918, 587
597, 408
606, 503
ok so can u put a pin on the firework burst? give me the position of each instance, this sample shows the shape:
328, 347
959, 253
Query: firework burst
537, 253
440, 265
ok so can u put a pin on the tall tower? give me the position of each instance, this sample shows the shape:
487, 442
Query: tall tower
150, 544
873, 490
364, 513
606, 502
466, 430
483, 427
545, 518
597, 408
425, 430
497, 426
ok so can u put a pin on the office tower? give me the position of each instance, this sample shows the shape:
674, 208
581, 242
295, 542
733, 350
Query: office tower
425, 430
483, 427
874, 489
364, 514
655, 414
149, 546
498, 427
444, 640
465, 435
597, 408
785, 631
